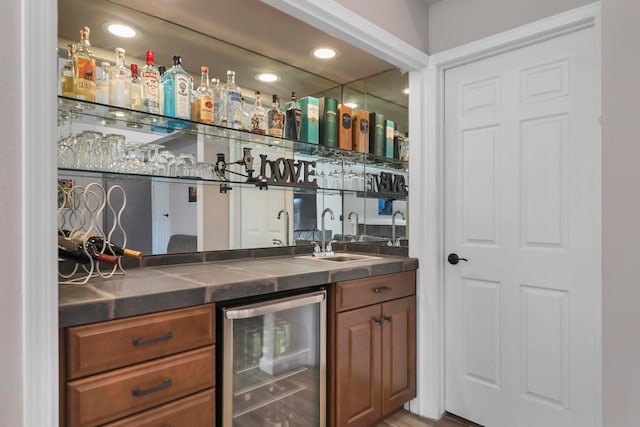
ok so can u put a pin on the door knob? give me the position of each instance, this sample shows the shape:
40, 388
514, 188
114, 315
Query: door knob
167, 215
453, 259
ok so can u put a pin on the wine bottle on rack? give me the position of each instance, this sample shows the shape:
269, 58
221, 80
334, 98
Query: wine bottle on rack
82, 252
100, 243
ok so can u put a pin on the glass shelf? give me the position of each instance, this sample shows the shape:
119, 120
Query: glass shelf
337, 163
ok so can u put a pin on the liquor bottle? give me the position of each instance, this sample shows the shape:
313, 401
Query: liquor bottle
101, 244
328, 109
345, 140
136, 89
396, 142
204, 99
388, 144
360, 126
275, 119
217, 100
161, 73
66, 78
377, 134
232, 98
177, 91
244, 116
150, 86
120, 82
76, 250
84, 64
257, 117
102, 84
293, 119
310, 115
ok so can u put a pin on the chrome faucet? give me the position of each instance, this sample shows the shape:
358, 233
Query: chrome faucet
286, 223
355, 234
393, 227
323, 248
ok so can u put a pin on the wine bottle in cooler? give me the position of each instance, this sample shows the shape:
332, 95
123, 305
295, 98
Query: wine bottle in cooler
82, 252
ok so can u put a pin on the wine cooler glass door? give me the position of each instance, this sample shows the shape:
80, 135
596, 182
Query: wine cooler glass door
274, 363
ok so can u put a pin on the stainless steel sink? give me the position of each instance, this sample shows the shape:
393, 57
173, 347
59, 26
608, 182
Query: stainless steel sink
340, 257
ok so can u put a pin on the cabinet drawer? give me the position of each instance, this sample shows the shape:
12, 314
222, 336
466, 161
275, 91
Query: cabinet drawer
371, 290
112, 395
197, 410
100, 347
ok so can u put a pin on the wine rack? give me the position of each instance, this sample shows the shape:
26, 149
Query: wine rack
82, 209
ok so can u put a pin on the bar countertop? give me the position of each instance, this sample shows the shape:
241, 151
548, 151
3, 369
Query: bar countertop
164, 287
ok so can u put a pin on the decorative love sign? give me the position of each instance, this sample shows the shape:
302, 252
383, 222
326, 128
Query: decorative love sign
387, 182
281, 171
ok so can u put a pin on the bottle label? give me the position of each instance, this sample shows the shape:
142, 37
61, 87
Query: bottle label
276, 124
346, 121
364, 126
258, 122
183, 107
150, 91
313, 113
234, 115
205, 109
85, 78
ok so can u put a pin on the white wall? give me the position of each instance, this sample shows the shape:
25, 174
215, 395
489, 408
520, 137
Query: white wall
406, 19
621, 211
11, 310
456, 22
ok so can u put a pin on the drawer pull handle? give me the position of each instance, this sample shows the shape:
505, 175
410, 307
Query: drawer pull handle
381, 289
378, 321
387, 318
165, 384
140, 341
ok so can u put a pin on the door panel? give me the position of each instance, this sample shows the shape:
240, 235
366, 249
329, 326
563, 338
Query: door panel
398, 353
358, 366
521, 154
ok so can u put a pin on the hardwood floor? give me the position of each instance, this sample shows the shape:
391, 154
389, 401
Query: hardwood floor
406, 419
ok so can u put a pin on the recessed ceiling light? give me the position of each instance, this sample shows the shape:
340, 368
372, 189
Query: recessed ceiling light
351, 105
121, 30
325, 52
267, 77
405, 91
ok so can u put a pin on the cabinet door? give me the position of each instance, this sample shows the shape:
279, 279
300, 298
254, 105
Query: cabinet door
398, 353
358, 367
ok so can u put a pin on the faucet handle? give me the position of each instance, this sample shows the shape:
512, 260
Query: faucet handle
316, 247
329, 249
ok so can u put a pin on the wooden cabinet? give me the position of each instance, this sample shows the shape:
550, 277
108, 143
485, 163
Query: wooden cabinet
373, 363
145, 370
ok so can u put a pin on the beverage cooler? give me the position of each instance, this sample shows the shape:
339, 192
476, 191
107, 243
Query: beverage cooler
273, 353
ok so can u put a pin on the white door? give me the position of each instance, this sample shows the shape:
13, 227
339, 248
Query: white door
160, 211
521, 194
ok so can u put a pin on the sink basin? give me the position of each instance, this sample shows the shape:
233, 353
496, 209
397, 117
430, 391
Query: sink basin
340, 257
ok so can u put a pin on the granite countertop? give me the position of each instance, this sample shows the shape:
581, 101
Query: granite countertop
158, 288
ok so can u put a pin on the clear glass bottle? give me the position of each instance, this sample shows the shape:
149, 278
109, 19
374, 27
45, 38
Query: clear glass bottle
275, 119
162, 70
293, 119
177, 96
120, 82
66, 77
204, 99
150, 86
215, 87
244, 115
136, 89
84, 64
232, 98
257, 117
102, 84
